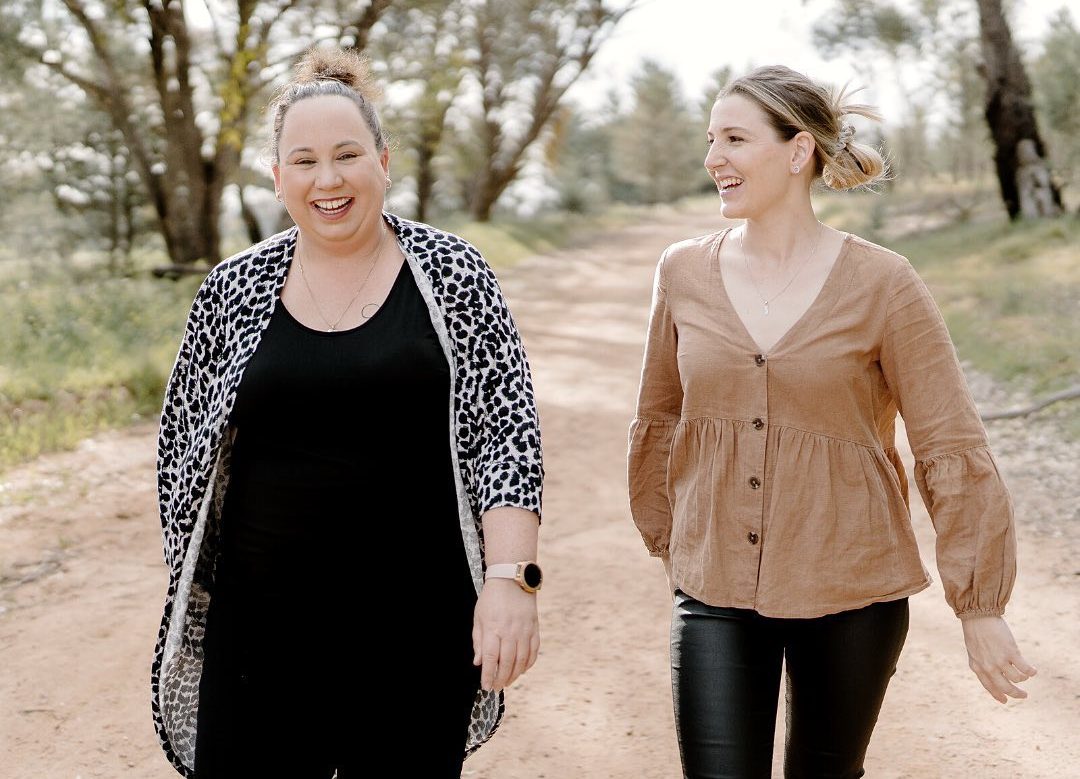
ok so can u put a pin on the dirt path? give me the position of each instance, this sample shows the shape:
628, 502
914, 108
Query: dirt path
81, 582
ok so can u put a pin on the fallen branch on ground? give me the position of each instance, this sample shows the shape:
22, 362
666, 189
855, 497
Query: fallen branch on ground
1057, 397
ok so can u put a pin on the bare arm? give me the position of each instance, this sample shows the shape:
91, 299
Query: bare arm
506, 626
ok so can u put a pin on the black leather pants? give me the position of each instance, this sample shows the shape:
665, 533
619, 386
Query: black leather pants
725, 671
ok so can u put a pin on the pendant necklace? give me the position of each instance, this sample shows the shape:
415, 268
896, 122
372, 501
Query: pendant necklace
765, 301
332, 326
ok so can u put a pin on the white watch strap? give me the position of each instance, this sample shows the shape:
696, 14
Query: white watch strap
501, 571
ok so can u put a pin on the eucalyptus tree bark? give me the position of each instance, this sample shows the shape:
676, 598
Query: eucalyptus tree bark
1023, 171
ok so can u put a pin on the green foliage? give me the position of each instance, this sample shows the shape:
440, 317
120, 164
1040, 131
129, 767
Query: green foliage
1008, 291
1054, 76
582, 164
719, 79
508, 240
872, 24
82, 354
659, 144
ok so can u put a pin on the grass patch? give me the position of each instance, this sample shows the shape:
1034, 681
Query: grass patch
83, 353
505, 241
1010, 292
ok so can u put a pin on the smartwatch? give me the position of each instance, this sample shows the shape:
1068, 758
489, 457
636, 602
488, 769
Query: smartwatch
526, 573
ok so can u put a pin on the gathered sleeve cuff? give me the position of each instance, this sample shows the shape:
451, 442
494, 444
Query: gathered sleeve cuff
650, 444
659, 407
957, 476
972, 513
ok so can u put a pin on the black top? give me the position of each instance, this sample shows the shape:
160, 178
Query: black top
336, 434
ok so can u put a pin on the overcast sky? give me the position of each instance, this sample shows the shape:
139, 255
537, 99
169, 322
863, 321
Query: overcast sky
697, 37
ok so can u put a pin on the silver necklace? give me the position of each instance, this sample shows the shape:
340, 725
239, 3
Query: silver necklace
363, 312
765, 301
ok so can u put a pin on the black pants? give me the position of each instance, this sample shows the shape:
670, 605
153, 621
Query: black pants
725, 670
286, 699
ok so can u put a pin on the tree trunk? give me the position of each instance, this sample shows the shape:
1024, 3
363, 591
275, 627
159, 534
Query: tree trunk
1027, 186
251, 222
425, 179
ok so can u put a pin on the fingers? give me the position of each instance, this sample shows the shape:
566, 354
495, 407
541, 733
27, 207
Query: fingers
489, 658
1015, 675
507, 662
521, 662
503, 661
1001, 682
1023, 666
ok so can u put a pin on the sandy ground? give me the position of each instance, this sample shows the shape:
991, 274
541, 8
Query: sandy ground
81, 582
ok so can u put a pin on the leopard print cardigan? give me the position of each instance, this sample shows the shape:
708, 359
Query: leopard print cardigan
493, 432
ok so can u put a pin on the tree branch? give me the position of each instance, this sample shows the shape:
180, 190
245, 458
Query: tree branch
1067, 394
366, 21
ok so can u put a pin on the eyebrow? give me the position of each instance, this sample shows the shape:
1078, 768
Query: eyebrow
309, 149
730, 129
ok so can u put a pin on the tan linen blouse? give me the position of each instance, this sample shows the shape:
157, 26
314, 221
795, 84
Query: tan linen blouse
772, 480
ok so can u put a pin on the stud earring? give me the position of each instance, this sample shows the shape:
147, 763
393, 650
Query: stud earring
278, 196
795, 168
389, 182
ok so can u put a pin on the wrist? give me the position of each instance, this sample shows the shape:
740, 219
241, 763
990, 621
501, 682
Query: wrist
526, 574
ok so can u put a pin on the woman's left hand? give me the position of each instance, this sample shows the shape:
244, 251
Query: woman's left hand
506, 633
995, 658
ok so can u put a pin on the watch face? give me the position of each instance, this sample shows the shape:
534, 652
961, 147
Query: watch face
532, 576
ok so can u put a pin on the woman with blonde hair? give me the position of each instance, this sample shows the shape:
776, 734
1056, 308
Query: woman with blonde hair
762, 464
349, 448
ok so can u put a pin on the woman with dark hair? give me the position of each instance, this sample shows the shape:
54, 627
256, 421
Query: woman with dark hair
349, 444
762, 465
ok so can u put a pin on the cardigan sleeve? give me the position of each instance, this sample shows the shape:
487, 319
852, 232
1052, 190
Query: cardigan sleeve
659, 407
509, 469
185, 399
958, 478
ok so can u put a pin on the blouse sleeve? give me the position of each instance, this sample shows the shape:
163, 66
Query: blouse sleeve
659, 406
510, 470
969, 505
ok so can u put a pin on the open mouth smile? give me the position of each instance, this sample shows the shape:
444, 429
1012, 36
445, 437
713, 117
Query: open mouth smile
728, 184
334, 207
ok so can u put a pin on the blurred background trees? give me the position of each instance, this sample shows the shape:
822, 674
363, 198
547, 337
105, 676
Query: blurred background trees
975, 68
136, 125
133, 139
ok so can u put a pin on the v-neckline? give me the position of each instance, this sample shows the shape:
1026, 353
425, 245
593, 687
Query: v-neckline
823, 301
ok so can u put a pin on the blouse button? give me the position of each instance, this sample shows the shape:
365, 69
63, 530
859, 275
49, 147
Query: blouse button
752, 537
758, 423
755, 482
759, 359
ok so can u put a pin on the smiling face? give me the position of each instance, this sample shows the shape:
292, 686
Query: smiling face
330, 174
750, 163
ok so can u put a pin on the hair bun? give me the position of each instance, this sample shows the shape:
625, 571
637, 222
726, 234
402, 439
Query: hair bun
344, 66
